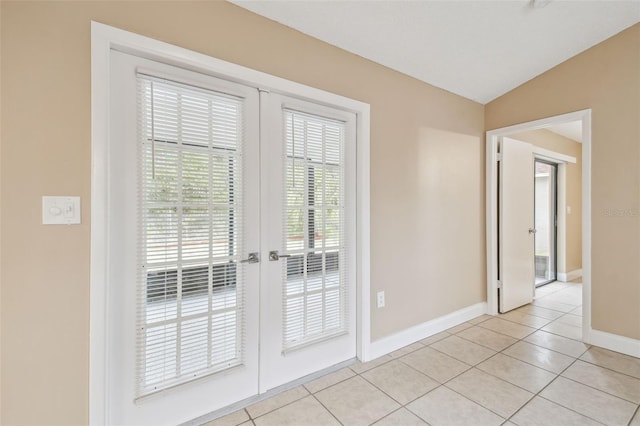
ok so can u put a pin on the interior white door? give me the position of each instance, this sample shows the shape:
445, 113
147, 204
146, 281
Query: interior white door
183, 213
516, 242
308, 319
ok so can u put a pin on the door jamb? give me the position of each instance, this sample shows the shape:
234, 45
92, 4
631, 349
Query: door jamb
492, 207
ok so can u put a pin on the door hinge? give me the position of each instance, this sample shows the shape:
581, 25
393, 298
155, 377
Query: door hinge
498, 157
499, 284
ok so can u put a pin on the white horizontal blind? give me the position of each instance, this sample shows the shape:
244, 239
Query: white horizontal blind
190, 284
314, 235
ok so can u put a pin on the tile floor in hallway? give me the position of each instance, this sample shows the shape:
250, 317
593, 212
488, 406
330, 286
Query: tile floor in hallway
526, 367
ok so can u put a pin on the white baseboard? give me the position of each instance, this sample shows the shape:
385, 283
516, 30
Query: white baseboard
613, 342
569, 276
421, 331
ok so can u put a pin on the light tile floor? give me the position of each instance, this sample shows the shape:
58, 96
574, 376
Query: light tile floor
526, 367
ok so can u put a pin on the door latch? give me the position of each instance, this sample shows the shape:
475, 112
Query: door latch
253, 258
273, 255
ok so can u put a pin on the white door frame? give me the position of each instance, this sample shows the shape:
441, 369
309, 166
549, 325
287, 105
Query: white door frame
492, 207
104, 38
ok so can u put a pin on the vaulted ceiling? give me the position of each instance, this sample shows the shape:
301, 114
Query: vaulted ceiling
476, 49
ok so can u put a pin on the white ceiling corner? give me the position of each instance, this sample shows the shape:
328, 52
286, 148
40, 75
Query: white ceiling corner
571, 130
476, 49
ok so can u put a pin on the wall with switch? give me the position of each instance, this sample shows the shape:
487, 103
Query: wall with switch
427, 159
60, 210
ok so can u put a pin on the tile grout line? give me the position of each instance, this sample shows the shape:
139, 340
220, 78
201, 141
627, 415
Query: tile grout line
470, 324
606, 368
471, 400
309, 393
599, 390
497, 352
387, 415
399, 359
282, 406
488, 347
575, 359
439, 384
554, 402
313, 395
636, 413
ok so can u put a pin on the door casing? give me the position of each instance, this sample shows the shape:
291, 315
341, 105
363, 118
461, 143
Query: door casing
105, 38
491, 191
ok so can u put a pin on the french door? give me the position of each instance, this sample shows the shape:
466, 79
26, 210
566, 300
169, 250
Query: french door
231, 217
308, 297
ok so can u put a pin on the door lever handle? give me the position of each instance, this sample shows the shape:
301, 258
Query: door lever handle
253, 258
273, 255
532, 230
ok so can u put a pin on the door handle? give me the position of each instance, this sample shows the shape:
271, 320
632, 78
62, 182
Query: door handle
253, 258
273, 255
532, 230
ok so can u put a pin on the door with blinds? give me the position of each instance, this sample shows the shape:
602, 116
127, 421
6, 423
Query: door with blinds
230, 216
308, 291
183, 220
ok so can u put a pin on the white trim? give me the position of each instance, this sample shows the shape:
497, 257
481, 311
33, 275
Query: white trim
492, 210
569, 276
421, 331
586, 225
614, 342
561, 211
104, 38
99, 295
491, 190
363, 225
555, 157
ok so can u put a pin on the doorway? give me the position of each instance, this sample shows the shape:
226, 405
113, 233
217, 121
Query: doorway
495, 283
546, 221
231, 240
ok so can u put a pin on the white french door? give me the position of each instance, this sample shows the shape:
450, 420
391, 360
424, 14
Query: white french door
308, 292
231, 218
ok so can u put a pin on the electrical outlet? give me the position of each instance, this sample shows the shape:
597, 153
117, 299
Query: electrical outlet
380, 295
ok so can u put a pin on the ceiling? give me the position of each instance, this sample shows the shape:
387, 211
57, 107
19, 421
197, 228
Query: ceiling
571, 130
476, 49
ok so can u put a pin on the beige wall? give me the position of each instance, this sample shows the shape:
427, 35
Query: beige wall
605, 78
427, 156
557, 143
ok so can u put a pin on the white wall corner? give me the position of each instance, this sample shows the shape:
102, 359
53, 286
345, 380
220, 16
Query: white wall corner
411, 335
613, 342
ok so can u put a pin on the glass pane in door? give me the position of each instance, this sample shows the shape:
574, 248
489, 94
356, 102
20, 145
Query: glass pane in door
545, 222
314, 295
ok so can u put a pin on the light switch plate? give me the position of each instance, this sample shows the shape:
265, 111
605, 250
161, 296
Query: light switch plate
60, 210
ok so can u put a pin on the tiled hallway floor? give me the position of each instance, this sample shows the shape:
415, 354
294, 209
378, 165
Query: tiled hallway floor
526, 367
